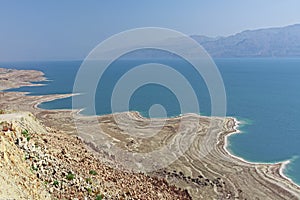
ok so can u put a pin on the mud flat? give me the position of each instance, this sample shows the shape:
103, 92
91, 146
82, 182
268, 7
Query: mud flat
188, 151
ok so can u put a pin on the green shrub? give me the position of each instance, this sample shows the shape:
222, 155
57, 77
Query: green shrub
88, 180
25, 133
26, 156
89, 190
55, 183
99, 197
93, 172
70, 176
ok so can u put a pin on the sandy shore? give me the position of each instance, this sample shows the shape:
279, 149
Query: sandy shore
206, 168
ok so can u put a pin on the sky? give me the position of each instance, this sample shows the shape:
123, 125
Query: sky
68, 30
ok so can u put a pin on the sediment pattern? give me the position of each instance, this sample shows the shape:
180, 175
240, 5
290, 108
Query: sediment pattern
205, 168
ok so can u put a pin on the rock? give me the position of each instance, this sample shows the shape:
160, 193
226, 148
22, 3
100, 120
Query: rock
5, 128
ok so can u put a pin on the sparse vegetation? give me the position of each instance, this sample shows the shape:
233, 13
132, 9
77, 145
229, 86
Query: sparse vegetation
89, 190
88, 180
70, 176
25, 133
55, 183
34, 168
93, 172
26, 157
99, 197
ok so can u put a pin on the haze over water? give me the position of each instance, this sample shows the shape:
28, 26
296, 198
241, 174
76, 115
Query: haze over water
261, 93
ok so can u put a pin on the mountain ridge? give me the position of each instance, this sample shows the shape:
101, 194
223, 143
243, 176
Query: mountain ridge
264, 42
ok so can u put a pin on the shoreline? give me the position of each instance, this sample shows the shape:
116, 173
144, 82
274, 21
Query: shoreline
237, 123
282, 164
221, 137
55, 97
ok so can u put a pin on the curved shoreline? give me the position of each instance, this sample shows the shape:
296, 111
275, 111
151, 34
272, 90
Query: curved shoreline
237, 123
283, 164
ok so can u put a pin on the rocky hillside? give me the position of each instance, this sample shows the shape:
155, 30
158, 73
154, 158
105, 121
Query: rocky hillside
41, 163
17, 180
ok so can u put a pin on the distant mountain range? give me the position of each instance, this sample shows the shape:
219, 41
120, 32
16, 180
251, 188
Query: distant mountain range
269, 42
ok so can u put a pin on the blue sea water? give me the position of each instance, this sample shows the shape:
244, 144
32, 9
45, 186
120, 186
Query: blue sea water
264, 94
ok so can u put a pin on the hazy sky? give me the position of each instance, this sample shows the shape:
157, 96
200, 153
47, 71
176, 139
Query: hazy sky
69, 29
